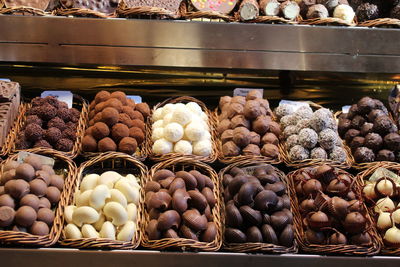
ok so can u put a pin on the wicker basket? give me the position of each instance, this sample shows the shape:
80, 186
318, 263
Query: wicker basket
312, 162
23, 10
10, 136
79, 103
382, 22
274, 20
63, 165
124, 164
252, 247
81, 12
353, 250
328, 21
145, 12
364, 175
189, 12
177, 164
211, 122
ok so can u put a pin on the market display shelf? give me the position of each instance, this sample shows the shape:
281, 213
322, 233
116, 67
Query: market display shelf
193, 44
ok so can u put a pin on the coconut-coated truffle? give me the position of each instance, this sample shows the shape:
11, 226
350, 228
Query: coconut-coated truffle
52, 135
308, 138
109, 116
252, 150
302, 124
156, 134
183, 147
327, 139
292, 140
298, 153
42, 143
283, 110
202, 148
106, 144
321, 119
338, 154
350, 134
64, 144
364, 154
383, 125
34, 119
173, 132
241, 136
304, 112
89, 144
194, 132
127, 145
119, 131
33, 132
373, 141
138, 134
290, 130
289, 120
162, 146
318, 153
344, 12
102, 96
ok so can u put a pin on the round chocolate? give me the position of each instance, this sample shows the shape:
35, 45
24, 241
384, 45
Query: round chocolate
44, 203
53, 194
364, 154
366, 128
357, 142
373, 141
34, 161
357, 122
365, 105
375, 113
383, 125
39, 228
25, 171
38, 187
17, 188
7, 215
385, 155
43, 175
46, 215
343, 126
25, 216
7, 176
350, 134
31, 201
57, 181
7, 200
241, 136
392, 141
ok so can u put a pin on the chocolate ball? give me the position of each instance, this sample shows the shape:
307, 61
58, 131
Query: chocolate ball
89, 144
38, 187
7, 176
33, 132
270, 138
364, 154
241, 136
383, 125
57, 181
255, 138
46, 215
106, 144
97, 117
234, 109
43, 175
230, 149
261, 124
64, 144
373, 141
239, 121
47, 112
69, 134
275, 128
350, 134
365, 105
252, 109
48, 169
7, 200
143, 108
252, 150
52, 135
102, 96
353, 111
127, 145
138, 123
223, 126
385, 155
53, 194
270, 151
227, 136
224, 100
100, 130
57, 123
357, 142
25, 216
366, 128
127, 110
30, 200
119, 131
25, 171
357, 122
109, 116
44, 203
64, 114
42, 143
375, 113
34, 119
239, 99
34, 161
121, 96
7, 216
113, 103
136, 115
17, 188
99, 108
343, 126
392, 141
39, 228
136, 133
367, 11
125, 119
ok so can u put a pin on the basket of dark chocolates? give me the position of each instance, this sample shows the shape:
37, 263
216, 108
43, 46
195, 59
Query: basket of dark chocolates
247, 129
327, 12
182, 207
92, 8
370, 132
380, 189
330, 216
24, 7
49, 124
310, 137
33, 190
149, 10
103, 209
182, 126
377, 13
257, 215
116, 123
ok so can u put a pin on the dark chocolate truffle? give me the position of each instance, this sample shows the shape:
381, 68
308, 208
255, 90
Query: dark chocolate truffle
375, 113
367, 11
17, 188
121, 96
39, 228
364, 154
143, 108
64, 114
350, 134
34, 119
38, 187
69, 134
100, 130
52, 135
46, 215
230, 149
241, 136
252, 109
365, 105
353, 111
136, 133
119, 131
7, 215
25, 216
357, 122
227, 136
106, 144
75, 114
366, 128
89, 144
30, 200
52, 100
37, 101
110, 116
270, 151
42, 143
343, 126
385, 155
127, 145
57, 122
239, 121
102, 96
383, 125
357, 142
64, 144
373, 141
33, 132
53, 194
255, 138
252, 150
25, 171
392, 141
47, 112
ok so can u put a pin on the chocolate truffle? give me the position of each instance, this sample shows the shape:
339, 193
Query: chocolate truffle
224, 125
357, 142
270, 138
57, 122
338, 154
275, 128
39, 228
283, 110
121, 96
25, 171
130, 112
254, 94
37, 101
289, 120
255, 138
47, 112
43, 175
343, 126
364, 154
64, 144
72, 125
125, 119
127, 145
13, 165
119, 131
98, 117
57, 181
317, 11
252, 150
48, 169
136, 133
34, 119
89, 144
353, 111
252, 109
109, 116
230, 149
239, 121
308, 138
329, 4
30, 200
302, 124
224, 100
64, 114
143, 108
327, 139
7, 176
380, 105
270, 151
373, 141
69, 134
17, 188
34, 161
239, 99
392, 141
385, 155
298, 152
350, 134
102, 96
318, 153
367, 11
53, 194
137, 115
138, 123
38, 187
304, 112
106, 144
42, 143
234, 109
365, 105
100, 130
290, 130
52, 100
366, 128
382, 125
7, 215
375, 113
113, 103
261, 124
46, 215
44, 203
33, 132
321, 119
291, 141
241, 136
357, 122
25, 216
227, 136
52, 135
7, 200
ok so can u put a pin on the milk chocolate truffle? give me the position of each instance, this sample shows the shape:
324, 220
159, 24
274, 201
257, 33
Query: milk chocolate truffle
39, 228
34, 119
143, 108
53, 194
38, 187
30, 200
230, 149
317, 11
109, 116
350, 134
367, 11
318, 153
252, 109
7, 176
270, 138
127, 145
113, 103
136, 133
270, 151
357, 142
43, 175
385, 155
25, 216
121, 96
33, 132
364, 154
239, 99
298, 153
44, 203
64, 144
57, 123
106, 144
392, 141
57, 181
366, 128
7, 200
119, 131
138, 123
261, 124
100, 130
254, 94
252, 150
241, 136
125, 119
17, 188
7, 215
46, 215
42, 143
234, 109
223, 126
102, 96
89, 144
52, 135
224, 100
239, 121
25, 171
343, 126
227, 136
255, 138
137, 115
97, 117
373, 141
357, 122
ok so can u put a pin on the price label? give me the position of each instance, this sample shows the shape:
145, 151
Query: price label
245, 91
5, 79
294, 104
136, 98
345, 109
45, 160
65, 96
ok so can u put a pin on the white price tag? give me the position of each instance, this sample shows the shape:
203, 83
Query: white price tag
45, 160
245, 91
345, 109
294, 104
136, 98
5, 79
65, 96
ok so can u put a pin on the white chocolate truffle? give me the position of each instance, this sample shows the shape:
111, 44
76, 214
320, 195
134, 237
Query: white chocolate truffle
202, 148
183, 147
157, 114
204, 116
173, 132
194, 107
158, 124
194, 132
182, 115
168, 109
179, 105
162, 146
200, 122
206, 136
344, 12
158, 133
167, 119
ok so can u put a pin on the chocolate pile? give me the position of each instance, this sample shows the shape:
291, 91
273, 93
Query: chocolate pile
28, 192
370, 133
330, 209
257, 207
180, 205
116, 123
9, 102
104, 6
373, 9
49, 123
246, 126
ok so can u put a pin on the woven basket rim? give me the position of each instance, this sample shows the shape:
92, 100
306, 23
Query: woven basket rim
381, 22
104, 243
11, 132
211, 123
31, 10
81, 12
253, 247
79, 131
330, 249
274, 19
124, 10
328, 21
183, 243
20, 238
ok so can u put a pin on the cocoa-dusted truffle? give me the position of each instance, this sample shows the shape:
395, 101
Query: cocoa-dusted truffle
47, 112
270, 138
392, 141
52, 135
137, 115
350, 134
298, 153
357, 122
239, 99
100, 130
125, 119
64, 114
69, 133
227, 136
366, 128
343, 126
234, 109
230, 149
121, 96
64, 144
385, 155
357, 142
89, 144
270, 151
261, 124
367, 11
119, 131
364, 154
127, 145
318, 153
291, 141
254, 94
373, 141
143, 108
106, 144
239, 121
57, 123
308, 138
251, 149
338, 154
252, 109
113, 103
34, 119
241, 136
224, 100
109, 116
99, 107
383, 125
255, 138
136, 133
275, 128
42, 143
33, 132
25, 216
129, 111
102, 96
375, 113
317, 11
138, 123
